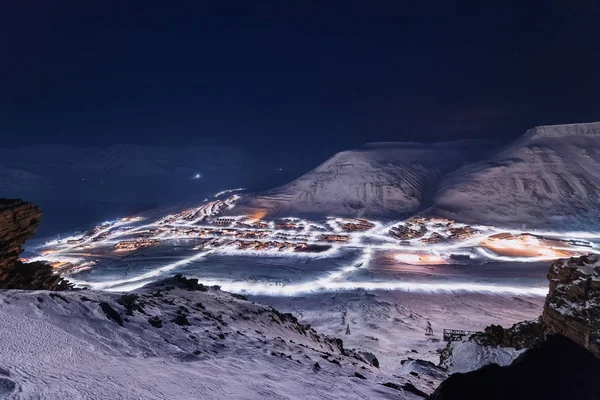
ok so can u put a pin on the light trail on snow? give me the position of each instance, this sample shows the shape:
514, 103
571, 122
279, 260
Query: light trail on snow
417, 241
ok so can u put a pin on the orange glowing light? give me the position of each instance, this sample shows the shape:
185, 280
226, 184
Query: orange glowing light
257, 215
506, 244
418, 259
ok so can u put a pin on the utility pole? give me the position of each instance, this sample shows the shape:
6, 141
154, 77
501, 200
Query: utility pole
429, 329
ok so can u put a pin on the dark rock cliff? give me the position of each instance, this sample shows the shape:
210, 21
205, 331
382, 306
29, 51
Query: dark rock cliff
556, 369
564, 345
572, 306
572, 309
18, 222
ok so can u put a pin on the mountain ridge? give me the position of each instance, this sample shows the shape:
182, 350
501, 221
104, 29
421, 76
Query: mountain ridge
551, 173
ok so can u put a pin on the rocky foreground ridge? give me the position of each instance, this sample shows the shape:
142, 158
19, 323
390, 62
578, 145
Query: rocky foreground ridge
18, 222
554, 357
175, 339
572, 309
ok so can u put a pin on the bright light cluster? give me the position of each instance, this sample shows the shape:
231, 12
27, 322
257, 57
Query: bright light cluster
211, 228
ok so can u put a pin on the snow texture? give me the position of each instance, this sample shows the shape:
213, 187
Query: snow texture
209, 345
469, 355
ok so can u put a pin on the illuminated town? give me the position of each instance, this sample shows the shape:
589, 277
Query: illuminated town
213, 228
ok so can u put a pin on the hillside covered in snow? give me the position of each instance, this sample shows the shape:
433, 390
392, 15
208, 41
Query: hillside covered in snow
548, 178
381, 180
175, 340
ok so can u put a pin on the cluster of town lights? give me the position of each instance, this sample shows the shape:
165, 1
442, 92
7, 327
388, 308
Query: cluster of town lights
428, 241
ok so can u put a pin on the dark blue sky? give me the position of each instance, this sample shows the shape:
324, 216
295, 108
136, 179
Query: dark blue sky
302, 80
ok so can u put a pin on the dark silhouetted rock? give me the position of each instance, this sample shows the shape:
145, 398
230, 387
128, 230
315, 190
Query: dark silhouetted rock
155, 322
181, 319
557, 369
111, 313
522, 335
409, 387
18, 223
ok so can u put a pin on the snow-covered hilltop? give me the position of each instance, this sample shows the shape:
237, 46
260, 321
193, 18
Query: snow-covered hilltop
382, 180
548, 178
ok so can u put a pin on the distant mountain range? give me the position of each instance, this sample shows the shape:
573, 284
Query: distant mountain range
76, 186
34, 168
548, 178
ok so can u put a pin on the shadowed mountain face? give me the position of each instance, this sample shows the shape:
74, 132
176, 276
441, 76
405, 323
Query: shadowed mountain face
549, 178
558, 369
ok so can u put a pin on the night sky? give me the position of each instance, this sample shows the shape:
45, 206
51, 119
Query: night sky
294, 78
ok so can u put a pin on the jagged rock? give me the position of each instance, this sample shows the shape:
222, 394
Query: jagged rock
155, 322
32, 276
409, 387
522, 335
572, 309
572, 306
557, 369
111, 313
18, 223
370, 358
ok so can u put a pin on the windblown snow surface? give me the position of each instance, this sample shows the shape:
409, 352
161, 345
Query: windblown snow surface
211, 345
548, 178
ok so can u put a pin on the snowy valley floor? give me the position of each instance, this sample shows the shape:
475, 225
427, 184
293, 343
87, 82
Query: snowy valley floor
391, 324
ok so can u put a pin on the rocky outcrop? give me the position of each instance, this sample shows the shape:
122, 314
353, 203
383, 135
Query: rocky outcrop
557, 369
567, 331
522, 335
572, 306
18, 222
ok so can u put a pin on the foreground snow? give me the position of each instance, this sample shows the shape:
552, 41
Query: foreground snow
65, 346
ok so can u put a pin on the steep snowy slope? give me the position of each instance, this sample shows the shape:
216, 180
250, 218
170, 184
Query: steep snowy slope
549, 178
385, 180
166, 342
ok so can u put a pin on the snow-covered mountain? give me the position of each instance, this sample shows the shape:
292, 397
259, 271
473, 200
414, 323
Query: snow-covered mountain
382, 180
548, 178
174, 342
